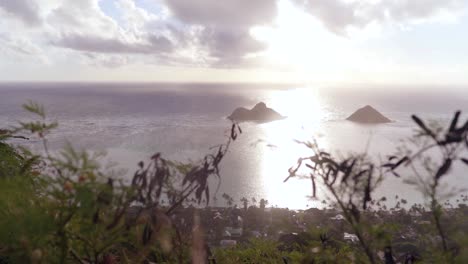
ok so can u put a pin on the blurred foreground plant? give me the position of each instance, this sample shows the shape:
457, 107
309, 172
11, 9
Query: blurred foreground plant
351, 183
60, 207
450, 146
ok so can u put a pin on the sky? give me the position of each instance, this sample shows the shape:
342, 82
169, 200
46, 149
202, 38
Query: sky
266, 41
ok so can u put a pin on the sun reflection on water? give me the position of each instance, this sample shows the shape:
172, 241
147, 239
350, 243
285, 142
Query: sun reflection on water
305, 114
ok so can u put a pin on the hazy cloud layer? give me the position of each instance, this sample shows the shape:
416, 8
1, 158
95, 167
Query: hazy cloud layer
82, 26
238, 14
225, 26
214, 33
105, 60
338, 15
17, 45
98, 44
229, 48
25, 10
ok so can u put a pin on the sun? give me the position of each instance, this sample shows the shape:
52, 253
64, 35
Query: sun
300, 42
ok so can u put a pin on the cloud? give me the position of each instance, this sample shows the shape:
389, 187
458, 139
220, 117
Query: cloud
92, 43
135, 18
408, 10
25, 10
206, 32
239, 13
339, 15
336, 15
105, 60
223, 27
82, 26
15, 49
229, 48
84, 16
19, 46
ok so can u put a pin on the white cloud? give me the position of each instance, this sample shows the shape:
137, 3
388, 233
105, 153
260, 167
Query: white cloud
223, 28
105, 60
97, 44
82, 26
226, 14
340, 16
21, 49
25, 10
20, 46
200, 33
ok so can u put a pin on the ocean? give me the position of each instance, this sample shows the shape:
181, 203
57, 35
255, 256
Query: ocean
132, 121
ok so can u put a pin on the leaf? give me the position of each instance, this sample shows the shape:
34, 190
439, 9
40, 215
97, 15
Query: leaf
314, 187
393, 166
453, 124
464, 160
233, 132
147, 234
464, 128
367, 190
156, 156
444, 168
348, 171
421, 124
359, 174
207, 195
334, 177
400, 162
331, 162
292, 171
355, 212
35, 108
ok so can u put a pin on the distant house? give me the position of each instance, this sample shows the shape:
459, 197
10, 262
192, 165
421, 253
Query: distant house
233, 232
256, 233
415, 213
217, 215
338, 217
350, 237
422, 222
226, 243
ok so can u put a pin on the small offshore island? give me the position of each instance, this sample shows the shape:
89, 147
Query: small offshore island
259, 113
368, 115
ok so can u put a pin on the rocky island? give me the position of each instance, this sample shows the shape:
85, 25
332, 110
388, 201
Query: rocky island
368, 115
259, 113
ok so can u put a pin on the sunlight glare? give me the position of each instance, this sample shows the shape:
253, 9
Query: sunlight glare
305, 115
300, 41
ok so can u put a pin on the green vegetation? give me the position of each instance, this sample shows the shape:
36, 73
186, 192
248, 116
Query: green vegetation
65, 207
256, 251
